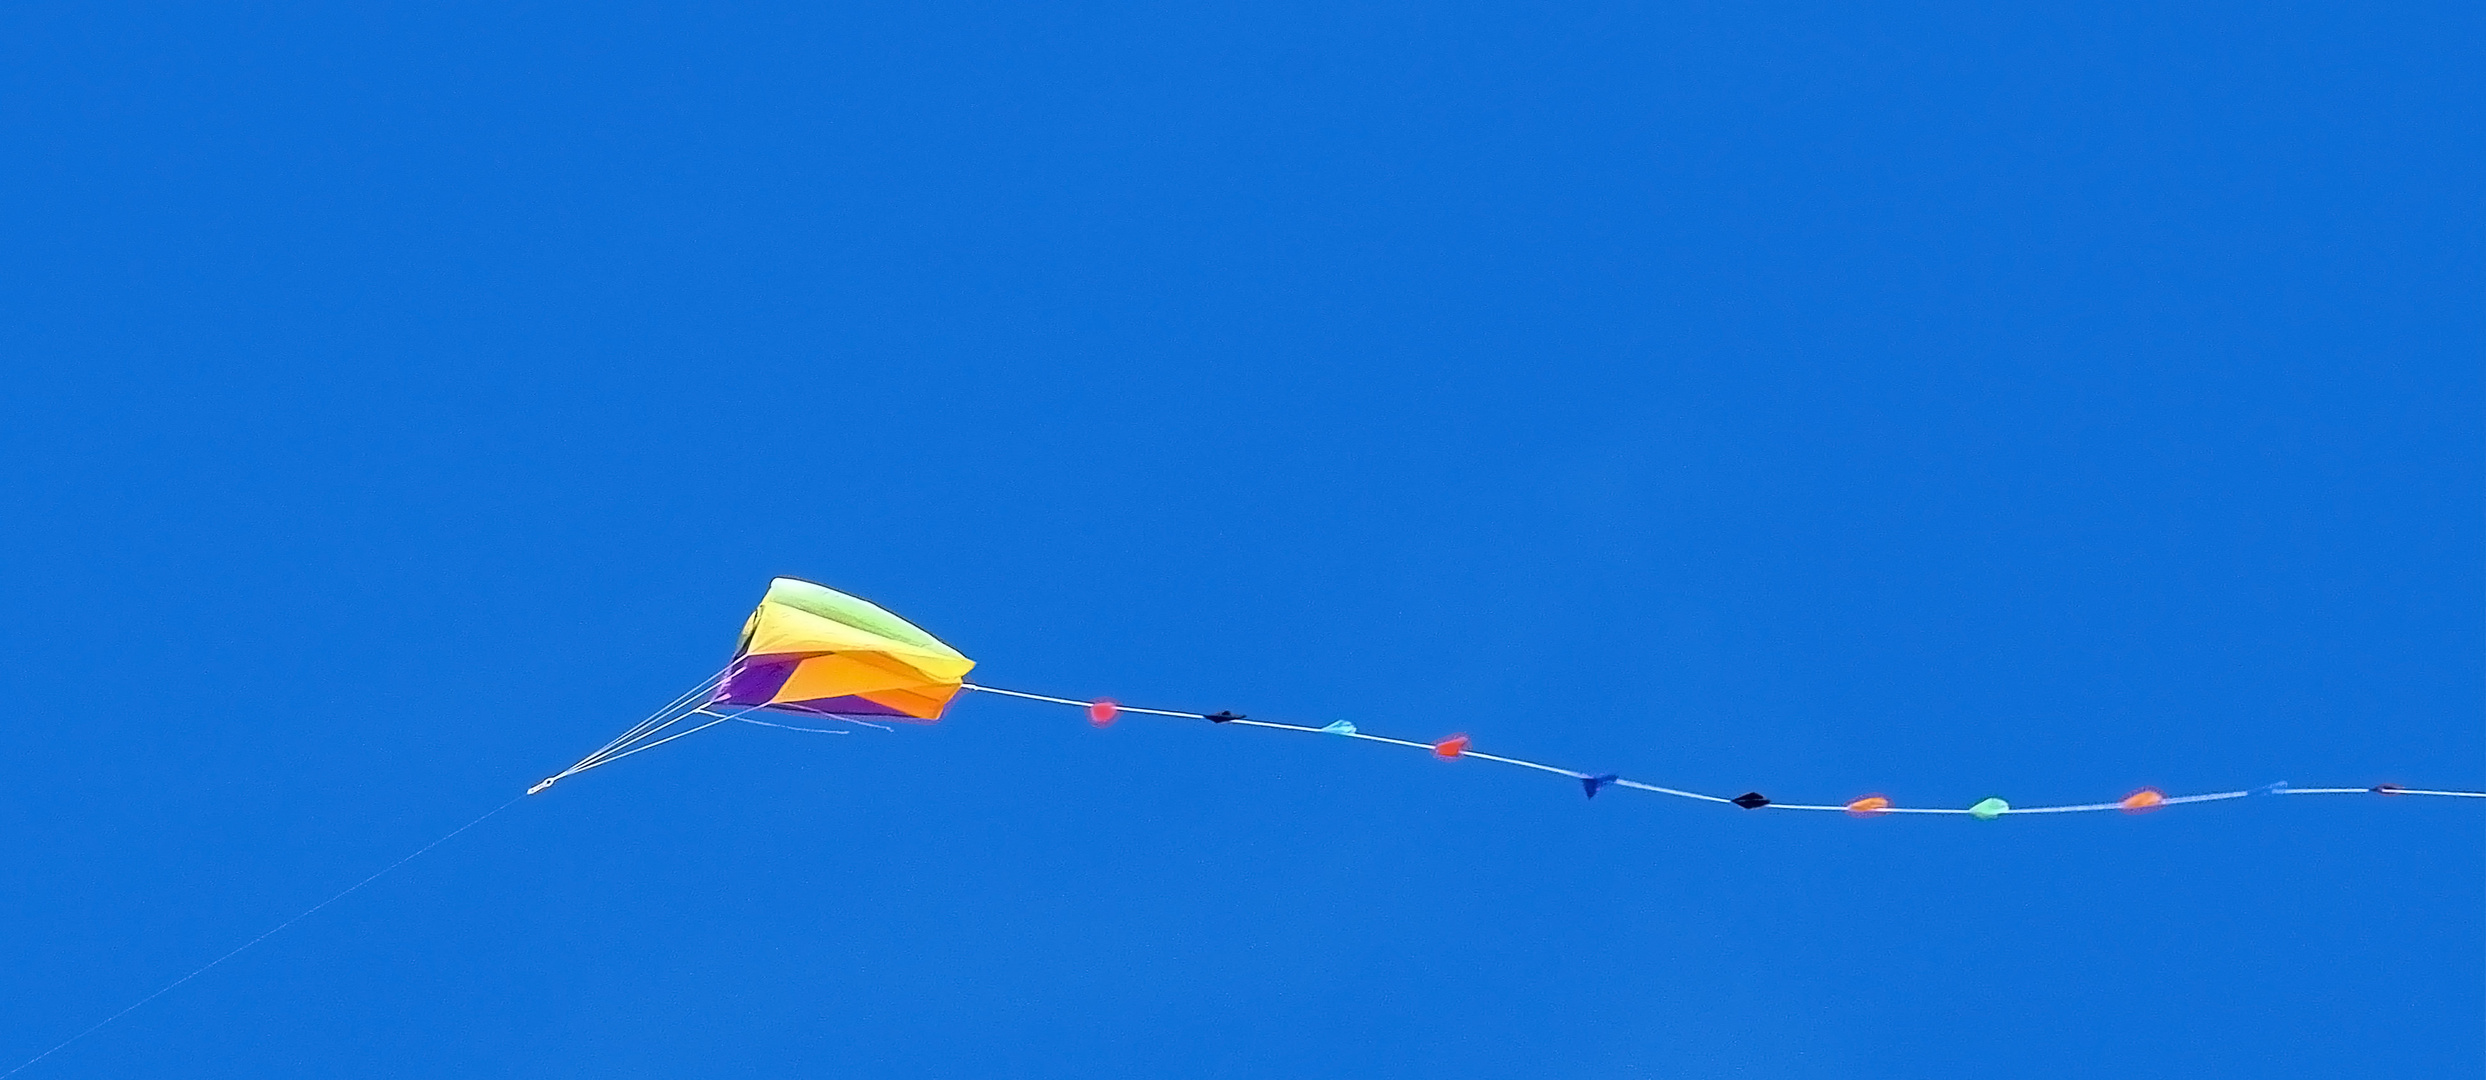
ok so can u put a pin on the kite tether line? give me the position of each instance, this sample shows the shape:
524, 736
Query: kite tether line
640, 737
272, 931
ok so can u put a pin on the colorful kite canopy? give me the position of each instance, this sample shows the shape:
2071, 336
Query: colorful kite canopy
812, 650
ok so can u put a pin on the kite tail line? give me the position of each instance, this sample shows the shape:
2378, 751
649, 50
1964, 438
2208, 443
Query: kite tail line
1102, 712
270, 932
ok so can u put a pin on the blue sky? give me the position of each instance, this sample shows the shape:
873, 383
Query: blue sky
1936, 400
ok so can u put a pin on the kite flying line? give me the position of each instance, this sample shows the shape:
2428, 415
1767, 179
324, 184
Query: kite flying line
270, 932
637, 738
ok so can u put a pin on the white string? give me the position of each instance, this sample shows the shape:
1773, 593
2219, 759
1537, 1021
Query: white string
1267, 724
1638, 786
680, 700
668, 738
640, 732
1024, 694
1523, 764
790, 727
245, 946
1084, 704
642, 729
2079, 808
1386, 739
602, 756
2213, 797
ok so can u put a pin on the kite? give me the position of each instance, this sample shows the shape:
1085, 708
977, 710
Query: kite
812, 652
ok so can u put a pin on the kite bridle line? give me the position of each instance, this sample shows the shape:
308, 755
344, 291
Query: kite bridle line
814, 730
643, 735
655, 719
719, 718
1600, 780
635, 738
